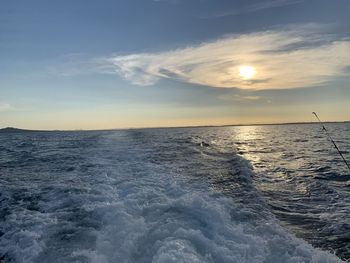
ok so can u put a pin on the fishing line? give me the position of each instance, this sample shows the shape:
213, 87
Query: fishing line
330, 138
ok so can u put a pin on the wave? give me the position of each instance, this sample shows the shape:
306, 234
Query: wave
149, 201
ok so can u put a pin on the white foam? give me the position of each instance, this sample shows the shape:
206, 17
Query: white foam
191, 226
148, 213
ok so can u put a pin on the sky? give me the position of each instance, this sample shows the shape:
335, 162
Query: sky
108, 64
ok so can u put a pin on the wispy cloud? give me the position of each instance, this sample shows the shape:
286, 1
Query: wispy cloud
244, 98
77, 64
283, 59
254, 8
4, 106
238, 97
272, 4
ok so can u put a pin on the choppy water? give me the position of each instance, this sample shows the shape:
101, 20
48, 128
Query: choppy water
227, 194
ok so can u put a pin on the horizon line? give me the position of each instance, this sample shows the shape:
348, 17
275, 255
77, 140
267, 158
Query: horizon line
173, 127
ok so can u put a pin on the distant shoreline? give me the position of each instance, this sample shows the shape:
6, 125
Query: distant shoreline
18, 130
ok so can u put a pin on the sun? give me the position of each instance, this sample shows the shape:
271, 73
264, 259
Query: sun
247, 72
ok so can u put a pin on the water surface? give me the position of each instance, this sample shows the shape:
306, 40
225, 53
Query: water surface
223, 194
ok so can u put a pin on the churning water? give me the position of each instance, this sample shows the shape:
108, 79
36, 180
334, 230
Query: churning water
223, 194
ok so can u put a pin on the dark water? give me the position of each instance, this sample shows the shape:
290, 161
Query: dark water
228, 194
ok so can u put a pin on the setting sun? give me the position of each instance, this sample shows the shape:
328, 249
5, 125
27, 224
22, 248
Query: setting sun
175, 131
247, 72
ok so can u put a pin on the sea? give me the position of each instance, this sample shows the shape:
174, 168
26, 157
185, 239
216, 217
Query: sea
269, 193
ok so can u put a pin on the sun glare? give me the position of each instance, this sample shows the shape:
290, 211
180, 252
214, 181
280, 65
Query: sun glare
247, 72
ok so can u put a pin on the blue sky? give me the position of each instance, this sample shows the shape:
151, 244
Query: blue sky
114, 64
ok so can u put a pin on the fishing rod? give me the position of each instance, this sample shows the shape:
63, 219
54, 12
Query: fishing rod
330, 138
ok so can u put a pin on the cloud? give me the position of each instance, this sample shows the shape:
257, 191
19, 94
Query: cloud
255, 7
242, 9
77, 64
242, 98
283, 59
4, 106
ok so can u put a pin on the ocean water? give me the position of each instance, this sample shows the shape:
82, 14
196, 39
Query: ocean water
275, 193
